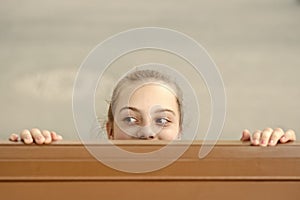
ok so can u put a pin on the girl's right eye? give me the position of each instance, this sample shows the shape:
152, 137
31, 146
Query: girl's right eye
130, 120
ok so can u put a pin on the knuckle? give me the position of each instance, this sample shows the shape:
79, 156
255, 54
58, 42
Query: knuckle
290, 134
277, 133
46, 132
53, 134
268, 130
290, 131
275, 136
35, 130
246, 131
278, 130
266, 135
25, 133
36, 133
257, 133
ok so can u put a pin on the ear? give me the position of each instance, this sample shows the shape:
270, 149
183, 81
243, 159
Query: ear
109, 130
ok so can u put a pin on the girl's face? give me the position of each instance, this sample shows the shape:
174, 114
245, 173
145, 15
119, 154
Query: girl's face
150, 112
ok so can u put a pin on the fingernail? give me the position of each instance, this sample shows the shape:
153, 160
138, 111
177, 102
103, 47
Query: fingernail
38, 138
272, 142
263, 142
28, 140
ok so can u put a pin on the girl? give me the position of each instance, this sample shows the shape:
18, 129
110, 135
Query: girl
148, 105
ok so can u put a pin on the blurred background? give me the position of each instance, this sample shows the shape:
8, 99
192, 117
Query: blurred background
255, 44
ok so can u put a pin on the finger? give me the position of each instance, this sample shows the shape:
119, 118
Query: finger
276, 135
289, 135
55, 136
47, 136
14, 137
256, 137
37, 136
265, 137
26, 136
246, 135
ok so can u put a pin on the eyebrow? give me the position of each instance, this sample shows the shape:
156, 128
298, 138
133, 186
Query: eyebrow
157, 111
130, 108
165, 110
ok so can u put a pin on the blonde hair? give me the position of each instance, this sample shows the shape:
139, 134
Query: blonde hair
140, 77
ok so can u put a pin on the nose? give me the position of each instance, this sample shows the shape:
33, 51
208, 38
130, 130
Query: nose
146, 133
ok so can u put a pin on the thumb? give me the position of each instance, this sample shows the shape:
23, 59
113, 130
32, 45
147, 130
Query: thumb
14, 137
246, 135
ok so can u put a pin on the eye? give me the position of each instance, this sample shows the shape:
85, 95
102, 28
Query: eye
130, 120
162, 121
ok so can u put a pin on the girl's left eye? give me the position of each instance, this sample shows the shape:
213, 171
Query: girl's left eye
162, 121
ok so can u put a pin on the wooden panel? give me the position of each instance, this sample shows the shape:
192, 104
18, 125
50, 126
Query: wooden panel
145, 190
232, 169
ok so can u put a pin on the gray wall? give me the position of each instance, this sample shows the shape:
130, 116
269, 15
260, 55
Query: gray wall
255, 44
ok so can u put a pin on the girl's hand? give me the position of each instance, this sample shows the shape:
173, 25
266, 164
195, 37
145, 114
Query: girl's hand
36, 136
268, 137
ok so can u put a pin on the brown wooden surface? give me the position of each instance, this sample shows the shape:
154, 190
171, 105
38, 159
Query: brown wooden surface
233, 170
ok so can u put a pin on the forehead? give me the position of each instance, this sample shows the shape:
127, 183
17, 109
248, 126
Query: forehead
147, 96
